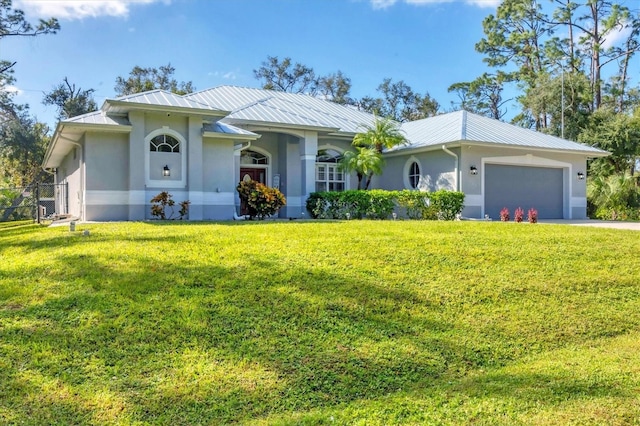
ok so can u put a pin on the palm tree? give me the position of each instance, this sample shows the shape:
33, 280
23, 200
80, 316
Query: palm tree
363, 161
367, 160
383, 134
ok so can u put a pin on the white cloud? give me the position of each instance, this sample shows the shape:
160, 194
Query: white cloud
384, 4
13, 89
80, 9
229, 76
616, 36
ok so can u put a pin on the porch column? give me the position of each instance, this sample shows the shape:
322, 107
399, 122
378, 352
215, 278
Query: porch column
137, 191
194, 168
308, 152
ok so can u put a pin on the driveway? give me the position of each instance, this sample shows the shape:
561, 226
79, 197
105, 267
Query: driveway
634, 226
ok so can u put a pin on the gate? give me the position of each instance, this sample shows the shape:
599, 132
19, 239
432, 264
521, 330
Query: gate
36, 202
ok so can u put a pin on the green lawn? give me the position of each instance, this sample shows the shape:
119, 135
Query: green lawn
358, 322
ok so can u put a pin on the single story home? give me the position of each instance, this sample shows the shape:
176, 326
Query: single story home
199, 146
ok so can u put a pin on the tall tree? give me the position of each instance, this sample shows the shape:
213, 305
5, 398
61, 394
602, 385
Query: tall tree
399, 102
483, 95
284, 76
69, 100
145, 79
335, 87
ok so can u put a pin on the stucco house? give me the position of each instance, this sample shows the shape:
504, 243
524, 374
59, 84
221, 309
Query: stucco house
199, 146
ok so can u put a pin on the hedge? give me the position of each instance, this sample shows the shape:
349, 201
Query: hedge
380, 204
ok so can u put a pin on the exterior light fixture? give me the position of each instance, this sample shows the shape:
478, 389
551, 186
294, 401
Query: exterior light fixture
580, 176
473, 170
166, 171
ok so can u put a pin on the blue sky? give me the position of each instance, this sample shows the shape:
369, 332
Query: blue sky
427, 43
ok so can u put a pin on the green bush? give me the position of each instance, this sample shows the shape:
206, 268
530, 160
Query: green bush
380, 204
260, 200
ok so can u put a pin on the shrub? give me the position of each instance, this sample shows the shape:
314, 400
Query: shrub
164, 200
504, 215
518, 215
532, 215
448, 204
416, 205
380, 204
260, 200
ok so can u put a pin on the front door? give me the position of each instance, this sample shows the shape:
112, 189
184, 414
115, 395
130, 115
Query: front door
246, 173
259, 175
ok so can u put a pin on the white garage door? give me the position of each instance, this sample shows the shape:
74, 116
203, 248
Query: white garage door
526, 187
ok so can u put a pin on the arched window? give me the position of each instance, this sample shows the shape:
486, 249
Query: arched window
329, 176
164, 143
253, 158
414, 175
165, 159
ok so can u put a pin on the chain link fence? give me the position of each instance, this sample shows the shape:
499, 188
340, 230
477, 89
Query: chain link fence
36, 202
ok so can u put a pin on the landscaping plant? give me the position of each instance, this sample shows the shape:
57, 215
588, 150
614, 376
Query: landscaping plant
504, 215
532, 215
164, 200
518, 215
260, 200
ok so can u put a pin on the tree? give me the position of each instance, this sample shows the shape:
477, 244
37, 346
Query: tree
367, 160
364, 162
483, 95
70, 101
617, 133
14, 24
23, 142
145, 79
399, 102
286, 77
335, 87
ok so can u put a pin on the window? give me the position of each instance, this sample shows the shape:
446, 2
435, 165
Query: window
166, 149
164, 143
414, 175
253, 158
329, 177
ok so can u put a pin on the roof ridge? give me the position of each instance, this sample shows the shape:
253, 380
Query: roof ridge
463, 126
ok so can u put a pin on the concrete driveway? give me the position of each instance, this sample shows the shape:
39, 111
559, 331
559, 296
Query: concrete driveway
634, 226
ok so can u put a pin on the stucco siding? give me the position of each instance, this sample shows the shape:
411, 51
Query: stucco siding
70, 172
107, 161
437, 171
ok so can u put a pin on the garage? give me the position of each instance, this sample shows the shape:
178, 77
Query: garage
522, 186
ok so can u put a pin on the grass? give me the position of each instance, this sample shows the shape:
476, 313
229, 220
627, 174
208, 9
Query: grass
281, 323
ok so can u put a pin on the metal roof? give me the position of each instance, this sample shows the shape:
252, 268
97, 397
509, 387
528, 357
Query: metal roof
228, 129
159, 98
269, 106
465, 126
98, 118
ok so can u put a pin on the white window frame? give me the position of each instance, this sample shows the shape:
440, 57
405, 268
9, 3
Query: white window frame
345, 176
161, 183
407, 171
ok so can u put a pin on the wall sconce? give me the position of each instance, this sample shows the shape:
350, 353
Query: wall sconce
580, 176
166, 171
473, 170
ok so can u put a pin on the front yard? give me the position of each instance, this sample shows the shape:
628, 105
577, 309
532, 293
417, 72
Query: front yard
353, 322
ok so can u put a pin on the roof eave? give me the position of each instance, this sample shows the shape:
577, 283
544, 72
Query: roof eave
266, 126
111, 104
233, 136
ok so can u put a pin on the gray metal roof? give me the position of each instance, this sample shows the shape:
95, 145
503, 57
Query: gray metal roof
227, 129
268, 106
98, 118
464, 126
160, 98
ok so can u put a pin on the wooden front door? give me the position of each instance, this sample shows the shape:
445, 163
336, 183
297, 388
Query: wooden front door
259, 175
